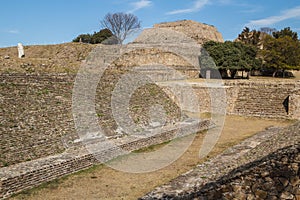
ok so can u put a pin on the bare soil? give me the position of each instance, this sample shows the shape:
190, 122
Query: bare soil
102, 182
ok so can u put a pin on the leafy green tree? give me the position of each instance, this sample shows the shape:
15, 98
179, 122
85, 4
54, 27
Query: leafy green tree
281, 53
85, 38
232, 56
286, 32
104, 35
99, 37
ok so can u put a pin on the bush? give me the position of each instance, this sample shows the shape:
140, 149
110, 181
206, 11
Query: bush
104, 36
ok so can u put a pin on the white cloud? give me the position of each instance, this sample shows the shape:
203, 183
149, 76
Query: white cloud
13, 31
285, 15
196, 7
139, 5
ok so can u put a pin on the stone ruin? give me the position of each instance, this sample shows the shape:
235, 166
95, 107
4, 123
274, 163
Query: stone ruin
163, 46
195, 30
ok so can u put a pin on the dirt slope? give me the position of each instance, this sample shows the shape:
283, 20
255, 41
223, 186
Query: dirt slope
60, 58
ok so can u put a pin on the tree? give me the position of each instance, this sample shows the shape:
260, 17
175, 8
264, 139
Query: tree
281, 53
267, 30
232, 56
85, 38
121, 24
103, 36
286, 32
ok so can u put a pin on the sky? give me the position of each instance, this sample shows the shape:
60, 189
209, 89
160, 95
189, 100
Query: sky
34, 22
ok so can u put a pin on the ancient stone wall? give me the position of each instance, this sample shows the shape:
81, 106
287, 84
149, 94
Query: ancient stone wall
37, 111
246, 97
35, 116
265, 166
26, 175
265, 98
273, 177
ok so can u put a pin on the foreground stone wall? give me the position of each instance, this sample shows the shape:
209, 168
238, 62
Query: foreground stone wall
265, 166
26, 175
273, 177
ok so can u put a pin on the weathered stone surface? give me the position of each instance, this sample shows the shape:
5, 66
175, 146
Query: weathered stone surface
250, 98
198, 31
263, 171
26, 175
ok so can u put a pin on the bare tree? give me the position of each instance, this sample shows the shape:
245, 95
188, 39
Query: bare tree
267, 30
121, 24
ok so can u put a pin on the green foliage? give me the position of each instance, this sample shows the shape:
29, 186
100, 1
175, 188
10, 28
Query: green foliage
231, 56
282, 52
104, 35
85, 38
286, 32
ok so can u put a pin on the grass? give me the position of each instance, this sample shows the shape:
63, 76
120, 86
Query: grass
151, 148
54, 184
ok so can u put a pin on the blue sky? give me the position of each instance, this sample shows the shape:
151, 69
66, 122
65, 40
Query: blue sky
56, 21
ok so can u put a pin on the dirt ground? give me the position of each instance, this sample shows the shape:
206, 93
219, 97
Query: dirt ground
102, 182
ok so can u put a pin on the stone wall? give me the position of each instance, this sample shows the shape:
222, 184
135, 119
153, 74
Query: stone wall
37, 110
243, 97
36, 113
264, 98
26, 175
273, 177
265, 166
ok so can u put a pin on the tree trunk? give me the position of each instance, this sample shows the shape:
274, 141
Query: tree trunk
233, 73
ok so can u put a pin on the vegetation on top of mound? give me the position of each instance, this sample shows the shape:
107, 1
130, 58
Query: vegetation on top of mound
104, 36
116, 28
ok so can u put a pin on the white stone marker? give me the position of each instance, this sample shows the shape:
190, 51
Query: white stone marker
208, 74
21, 50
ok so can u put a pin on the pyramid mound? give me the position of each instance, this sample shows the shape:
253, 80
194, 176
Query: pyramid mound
164, 33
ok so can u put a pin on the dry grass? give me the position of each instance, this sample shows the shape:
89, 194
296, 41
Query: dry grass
102, 182
60, 58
